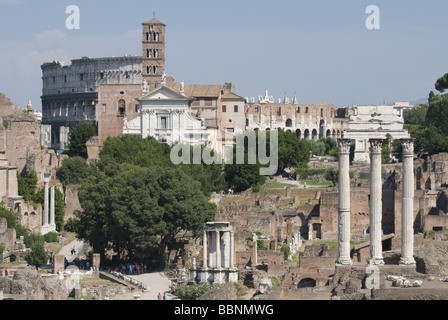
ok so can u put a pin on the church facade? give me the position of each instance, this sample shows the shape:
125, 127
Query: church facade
167, 116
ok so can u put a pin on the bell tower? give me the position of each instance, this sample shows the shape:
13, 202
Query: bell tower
153, 59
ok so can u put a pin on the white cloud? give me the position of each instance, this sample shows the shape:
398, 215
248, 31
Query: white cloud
50, 39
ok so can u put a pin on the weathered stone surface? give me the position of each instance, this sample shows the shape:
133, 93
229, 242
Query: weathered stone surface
226, 291
28, 282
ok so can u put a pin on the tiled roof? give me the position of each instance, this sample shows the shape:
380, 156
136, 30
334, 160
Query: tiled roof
198, 91
153, 21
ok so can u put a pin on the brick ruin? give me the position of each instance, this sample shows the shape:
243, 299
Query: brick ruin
316, 263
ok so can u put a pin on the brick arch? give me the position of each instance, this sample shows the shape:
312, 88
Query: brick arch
307, 282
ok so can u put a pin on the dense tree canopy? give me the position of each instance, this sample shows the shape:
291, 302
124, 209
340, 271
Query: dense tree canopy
138, 211
73, 170
427, 123
78, 137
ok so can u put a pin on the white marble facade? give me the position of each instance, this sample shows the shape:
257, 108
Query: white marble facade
374, 122
167, 116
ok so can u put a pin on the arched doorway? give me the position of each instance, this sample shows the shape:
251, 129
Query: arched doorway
321, 129
307, 134
315, 135
307, 283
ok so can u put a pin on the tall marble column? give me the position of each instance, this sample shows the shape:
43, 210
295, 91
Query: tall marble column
407, 204
344, 203
232, 249
376, 203
52, 220
204, 251
46, 185
218, 250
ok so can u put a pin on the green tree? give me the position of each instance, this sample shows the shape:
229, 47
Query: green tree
210, 176
140, 211
78, 137
415, 115
73, 170
10, 217
292, 152
331, 174
442, 83
38, 256
27, 185
137, 151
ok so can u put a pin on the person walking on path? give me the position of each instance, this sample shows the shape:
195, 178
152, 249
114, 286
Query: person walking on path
159, 296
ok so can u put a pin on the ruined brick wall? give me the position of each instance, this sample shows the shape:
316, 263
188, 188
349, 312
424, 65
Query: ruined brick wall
71, 201
23, 132
110, 118
31, 216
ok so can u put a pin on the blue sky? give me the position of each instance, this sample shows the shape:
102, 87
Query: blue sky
321, 50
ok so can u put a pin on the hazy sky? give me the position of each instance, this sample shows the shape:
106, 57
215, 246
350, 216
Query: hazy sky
321, 49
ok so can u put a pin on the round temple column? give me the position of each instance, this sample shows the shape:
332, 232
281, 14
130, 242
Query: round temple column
232, 249
204, 250
407, 218
344, 203
46, 205
376, 203
218, 250
52, 209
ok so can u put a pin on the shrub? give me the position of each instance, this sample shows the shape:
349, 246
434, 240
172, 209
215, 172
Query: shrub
286, 251
192, 292
51, 237
71, 224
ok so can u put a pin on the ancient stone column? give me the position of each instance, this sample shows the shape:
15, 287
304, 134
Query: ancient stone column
46, 183
407, 204
218, 250
204, 250
232, 249
344, 235
52, 223
376, 203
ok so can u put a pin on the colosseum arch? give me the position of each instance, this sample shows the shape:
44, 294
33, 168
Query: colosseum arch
306, 134
315, 135
288, 123
299, 134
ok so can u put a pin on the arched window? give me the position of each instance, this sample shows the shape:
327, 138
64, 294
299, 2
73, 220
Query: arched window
155, 70
148, 36
148, 69
289, 123
148, 53
121, 107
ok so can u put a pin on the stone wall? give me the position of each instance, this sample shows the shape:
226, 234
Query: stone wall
360, 211
71, 201
108, 114
22, 133
31, 216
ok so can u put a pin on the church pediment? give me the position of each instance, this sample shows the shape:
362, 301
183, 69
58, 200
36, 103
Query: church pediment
163, 93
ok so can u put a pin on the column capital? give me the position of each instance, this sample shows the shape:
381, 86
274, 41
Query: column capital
344, 146
375, 145
408, 147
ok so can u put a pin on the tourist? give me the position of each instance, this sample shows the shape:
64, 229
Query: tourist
164, 296
6, 272
1, 272
159, 296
